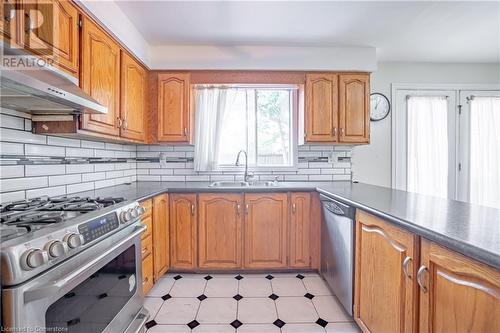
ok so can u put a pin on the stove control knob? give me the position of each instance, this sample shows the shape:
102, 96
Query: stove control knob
74, 240
34, 258
125, 217
134, 213
140, 210
55, 248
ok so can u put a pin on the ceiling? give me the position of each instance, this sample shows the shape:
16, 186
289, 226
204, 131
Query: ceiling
400, 31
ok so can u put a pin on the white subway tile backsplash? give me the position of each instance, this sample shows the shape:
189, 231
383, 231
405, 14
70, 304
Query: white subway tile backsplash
16, 184
87, 177
45, 170
114, 174
104, 167
79, 168
104, 183
39, 150
161, 171
8, 121
173, 178
8, 148
11, 171
148, 178
92, 144
65, 179
197, 178
79, 152
13, 135
50, 191
57, 141
320, 177
80, 187
12, 196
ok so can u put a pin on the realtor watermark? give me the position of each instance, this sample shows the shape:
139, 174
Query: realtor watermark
28, 27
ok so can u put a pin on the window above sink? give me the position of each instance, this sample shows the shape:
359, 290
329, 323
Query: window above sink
260, 119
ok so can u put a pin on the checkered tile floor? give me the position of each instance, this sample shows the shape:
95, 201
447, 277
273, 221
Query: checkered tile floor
260, 303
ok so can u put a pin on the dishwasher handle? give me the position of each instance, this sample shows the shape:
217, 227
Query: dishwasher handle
336, 207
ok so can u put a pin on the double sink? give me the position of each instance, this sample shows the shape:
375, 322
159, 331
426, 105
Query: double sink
245, 184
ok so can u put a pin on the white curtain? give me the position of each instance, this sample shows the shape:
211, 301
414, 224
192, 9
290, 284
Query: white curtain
427, 145
210, 108
485, 151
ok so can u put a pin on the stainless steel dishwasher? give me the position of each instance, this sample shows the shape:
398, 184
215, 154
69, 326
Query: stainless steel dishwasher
337, 249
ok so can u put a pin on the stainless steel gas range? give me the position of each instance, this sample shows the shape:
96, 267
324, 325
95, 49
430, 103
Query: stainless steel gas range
72, 264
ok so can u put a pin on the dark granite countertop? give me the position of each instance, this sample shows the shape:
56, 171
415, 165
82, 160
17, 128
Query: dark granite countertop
468, 229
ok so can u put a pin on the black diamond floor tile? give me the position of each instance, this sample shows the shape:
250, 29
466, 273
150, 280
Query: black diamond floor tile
280, 323
310, 296
150, 324
208, 277
321, 322
177, 277
273, 297
201, 297
269, 277
236, 323
165, 297
237, 297
193, 324
300, 276
238, 277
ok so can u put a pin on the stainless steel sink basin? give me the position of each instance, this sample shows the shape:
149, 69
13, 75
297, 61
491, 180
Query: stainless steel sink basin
244, 184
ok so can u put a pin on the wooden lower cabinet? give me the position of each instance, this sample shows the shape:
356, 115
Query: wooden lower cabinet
266, 216
385, 297
300, 230
183, 231
147, 273
220, 219
460, 295
161, 235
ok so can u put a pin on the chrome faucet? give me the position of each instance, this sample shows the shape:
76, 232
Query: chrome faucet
246, 176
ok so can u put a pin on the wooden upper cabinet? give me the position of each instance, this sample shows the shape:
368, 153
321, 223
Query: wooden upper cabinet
220, 219
461, 294
161, 235
183, 245
321, 107
101, 78
174, 118
354, 108
300, 230
9, 18
51, 30
385, 292
265, 231
133, 98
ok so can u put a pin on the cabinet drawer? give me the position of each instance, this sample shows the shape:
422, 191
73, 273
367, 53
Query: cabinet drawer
148, 222
147, 246
148, 206
147, 274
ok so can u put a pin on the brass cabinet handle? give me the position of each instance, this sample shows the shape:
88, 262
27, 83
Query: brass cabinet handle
341, 132
420, 278
334, 131
192, 209
125, 124
238, 209
120, 122
406, 262
185, 131
247, 207
294, 208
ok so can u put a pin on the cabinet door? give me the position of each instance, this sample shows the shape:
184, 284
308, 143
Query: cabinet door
51, 30
147, 273
266, 230
300, 230
174, 118
461, 295
9, 22
133, 98
354, 101
385, 293
220, 218
101, 78
183, 231
321, 107
161, 236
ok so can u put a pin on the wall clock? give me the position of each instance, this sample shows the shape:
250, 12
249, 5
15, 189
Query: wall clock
379, 106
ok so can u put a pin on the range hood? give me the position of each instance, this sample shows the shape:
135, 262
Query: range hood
44, 91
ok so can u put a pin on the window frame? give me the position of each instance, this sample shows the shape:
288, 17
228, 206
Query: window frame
295, 90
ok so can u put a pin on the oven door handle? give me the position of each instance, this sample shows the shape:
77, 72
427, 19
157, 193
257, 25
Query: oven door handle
40, 293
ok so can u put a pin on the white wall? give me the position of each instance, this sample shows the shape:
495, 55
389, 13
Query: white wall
372, 163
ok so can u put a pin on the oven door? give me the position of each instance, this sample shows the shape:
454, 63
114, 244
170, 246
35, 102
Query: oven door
98, 290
